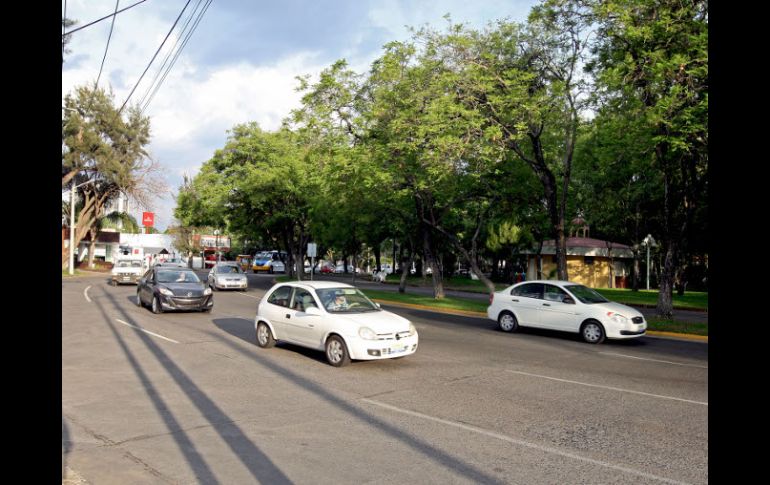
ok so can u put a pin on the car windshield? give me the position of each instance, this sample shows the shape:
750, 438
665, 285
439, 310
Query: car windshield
229, 269
585, 294
169, 276
345, 300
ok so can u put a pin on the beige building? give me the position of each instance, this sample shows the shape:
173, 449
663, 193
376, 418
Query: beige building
588, 262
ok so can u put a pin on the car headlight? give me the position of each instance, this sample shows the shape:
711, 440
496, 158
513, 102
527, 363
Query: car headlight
412, 329
367, 333
207, 291
166, 291
617, 318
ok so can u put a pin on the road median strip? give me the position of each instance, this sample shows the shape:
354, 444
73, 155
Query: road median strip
464, 313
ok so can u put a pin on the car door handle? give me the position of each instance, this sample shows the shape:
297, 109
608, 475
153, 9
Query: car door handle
515, 301
288, 315
546, 304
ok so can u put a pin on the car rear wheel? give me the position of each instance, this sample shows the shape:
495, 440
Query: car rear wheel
592, 332
156, 306
337, 352
264, 336
507, 322
138, 300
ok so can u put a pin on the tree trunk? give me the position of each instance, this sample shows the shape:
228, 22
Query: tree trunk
665, 284
438, 284
91, 251
635, 275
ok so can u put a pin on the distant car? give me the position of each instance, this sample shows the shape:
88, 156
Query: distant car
126, 270
566, 306
171, 263
386, 268
166, 289
227, 275
270, 261
334, 317
327, 268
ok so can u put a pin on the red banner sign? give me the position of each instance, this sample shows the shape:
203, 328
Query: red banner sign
148, 219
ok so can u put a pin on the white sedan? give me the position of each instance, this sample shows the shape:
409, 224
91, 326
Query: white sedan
334, 317
567, 306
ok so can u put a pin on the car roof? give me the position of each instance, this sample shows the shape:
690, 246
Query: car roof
316, 285
558, 282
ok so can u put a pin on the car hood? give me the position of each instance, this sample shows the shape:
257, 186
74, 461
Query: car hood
128, 269
380, 321
239, 276
612, 306
181, 289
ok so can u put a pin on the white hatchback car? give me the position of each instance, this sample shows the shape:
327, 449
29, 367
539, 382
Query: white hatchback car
567, 306
334, 317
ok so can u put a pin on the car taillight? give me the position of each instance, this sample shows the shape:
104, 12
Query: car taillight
491, 298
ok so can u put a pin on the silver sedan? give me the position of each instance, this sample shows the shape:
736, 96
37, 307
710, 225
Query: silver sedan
227, 275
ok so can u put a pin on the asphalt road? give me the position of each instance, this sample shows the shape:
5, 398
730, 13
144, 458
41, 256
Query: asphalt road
190, 398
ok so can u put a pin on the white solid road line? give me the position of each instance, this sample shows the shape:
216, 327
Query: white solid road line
250, 296
608, 387
546, 449
654, 360
146, 331
85, 292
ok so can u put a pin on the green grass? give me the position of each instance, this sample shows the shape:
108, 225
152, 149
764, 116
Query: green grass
660, 325
691, 300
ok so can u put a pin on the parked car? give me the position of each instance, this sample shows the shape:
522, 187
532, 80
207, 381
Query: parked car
173, 289
228, 275
566, 306
334, 317
127, 269
327, 268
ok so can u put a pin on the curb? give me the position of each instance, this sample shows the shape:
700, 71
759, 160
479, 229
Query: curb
463, 313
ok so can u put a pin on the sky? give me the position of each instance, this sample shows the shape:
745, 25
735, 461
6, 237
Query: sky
241, 62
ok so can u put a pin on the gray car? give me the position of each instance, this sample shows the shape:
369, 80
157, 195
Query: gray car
173, 289
227, 275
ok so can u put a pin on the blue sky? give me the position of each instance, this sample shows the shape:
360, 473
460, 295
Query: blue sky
241, 62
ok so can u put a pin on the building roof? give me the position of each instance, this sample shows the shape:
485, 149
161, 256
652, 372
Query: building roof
586, 246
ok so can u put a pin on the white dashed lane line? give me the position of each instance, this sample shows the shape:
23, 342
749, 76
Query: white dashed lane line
608, 388
654, 360
146, 331
535, 446
85, 293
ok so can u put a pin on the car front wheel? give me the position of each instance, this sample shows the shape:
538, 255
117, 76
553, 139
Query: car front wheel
264, 336
592, 332
156, 306
139, 300
507, 322
337, 352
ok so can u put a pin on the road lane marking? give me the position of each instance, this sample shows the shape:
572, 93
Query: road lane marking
535, 446
608, 387
654, 360
250, 296
85, 292
146, 331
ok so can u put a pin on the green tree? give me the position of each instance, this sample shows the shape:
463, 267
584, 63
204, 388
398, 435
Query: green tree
652, 63
104, 153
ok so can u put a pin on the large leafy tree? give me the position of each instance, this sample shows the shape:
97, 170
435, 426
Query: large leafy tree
103, 151
652, 63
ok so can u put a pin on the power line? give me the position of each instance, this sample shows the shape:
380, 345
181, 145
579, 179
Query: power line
112, 25
178, 52
154, 56
106, 17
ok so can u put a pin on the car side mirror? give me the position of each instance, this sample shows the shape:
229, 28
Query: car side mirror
569, 300
313, 311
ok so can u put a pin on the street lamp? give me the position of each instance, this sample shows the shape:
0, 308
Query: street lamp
72, 225
216, 233
648, 241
